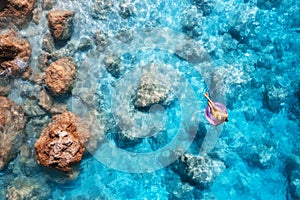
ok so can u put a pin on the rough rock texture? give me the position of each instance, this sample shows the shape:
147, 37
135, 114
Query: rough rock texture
101, 40
12, 123
262, 155
205, 6
126, 9
48, 4
113, 65
102, 8
48, 43
60, 75
268, 4
4, 86
152, 90
27, 73
15, 52
191, 52
24, 188
31, 108
275, 96
18, 12
45, 100
44, 61
200, 171
61, 142
293, 175
37, 14
60, 23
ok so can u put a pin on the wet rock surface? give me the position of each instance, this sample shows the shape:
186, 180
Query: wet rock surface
126, 9
275, 96
45, 100
15, 53
191, 52
200, 171
48, 43
24, 188
48, 4
293, 174
268, 4
4, 86
206, 6
60, 145
12, 123
261, 155
113, 65
101, 40
153, 89
102, 8
18, 12
60, 75
60, 23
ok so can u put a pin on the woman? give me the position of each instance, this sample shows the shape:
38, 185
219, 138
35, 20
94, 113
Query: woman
217, 112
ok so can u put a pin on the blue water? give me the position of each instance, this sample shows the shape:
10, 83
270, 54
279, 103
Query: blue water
247, 56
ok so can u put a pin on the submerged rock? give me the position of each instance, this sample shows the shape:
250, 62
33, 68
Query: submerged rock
206, 6
154, 89
61, 142
192, 52
60, 23
43, 61
126, 9
191, 20
60, 75
18, 12
275, 96
24, 188
48, 43
293, 175
102, 8
261, 154
45, 100
200, 171
48, 4
101, 40
113, 65
15, 52
268, 4
4, 86
12, 123
32, 109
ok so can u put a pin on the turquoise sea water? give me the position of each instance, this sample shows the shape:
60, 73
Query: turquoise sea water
246, 53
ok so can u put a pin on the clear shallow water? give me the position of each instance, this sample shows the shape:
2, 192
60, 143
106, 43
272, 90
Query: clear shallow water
250, 62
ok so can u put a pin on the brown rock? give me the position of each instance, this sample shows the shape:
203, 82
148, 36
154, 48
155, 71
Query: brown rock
60, 75
18, 12
61, 144
27, 73
45, 100
12, 123
38, 78
4, 86
37, 15
60, 23
15, 52
58, 108
48, 4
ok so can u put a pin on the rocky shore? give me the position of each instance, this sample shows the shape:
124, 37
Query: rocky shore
70, 88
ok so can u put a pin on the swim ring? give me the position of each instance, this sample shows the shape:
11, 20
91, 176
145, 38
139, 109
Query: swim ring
211, 119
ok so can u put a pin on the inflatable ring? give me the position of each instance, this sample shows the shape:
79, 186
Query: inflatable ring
211, 119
